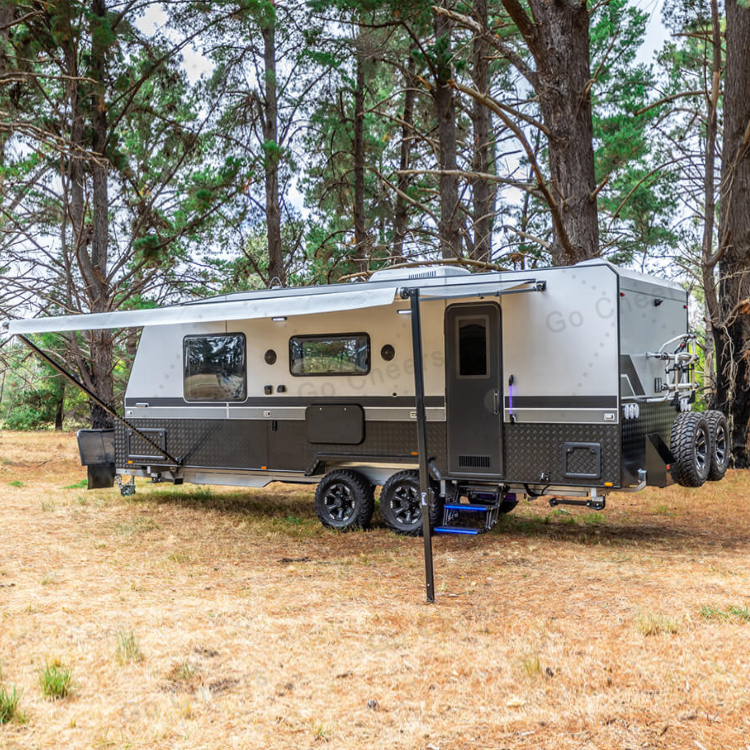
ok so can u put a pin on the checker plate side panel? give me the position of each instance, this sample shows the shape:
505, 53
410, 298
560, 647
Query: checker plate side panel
281, 445
533, 449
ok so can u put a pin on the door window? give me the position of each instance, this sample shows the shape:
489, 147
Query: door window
473, 346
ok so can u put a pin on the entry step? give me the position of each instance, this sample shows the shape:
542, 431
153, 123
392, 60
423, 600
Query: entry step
471, 510
457, 530
468, 506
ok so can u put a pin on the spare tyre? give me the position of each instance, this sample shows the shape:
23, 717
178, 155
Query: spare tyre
691, 445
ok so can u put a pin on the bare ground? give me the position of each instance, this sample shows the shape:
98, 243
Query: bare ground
259, 629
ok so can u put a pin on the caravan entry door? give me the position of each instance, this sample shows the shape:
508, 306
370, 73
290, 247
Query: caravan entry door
473, 379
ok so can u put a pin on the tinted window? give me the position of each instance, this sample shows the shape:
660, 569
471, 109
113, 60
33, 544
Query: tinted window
472, 347
215, 367
346, 354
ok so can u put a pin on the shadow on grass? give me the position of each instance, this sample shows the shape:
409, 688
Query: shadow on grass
597, 529
294, 505
292, 512
285, 513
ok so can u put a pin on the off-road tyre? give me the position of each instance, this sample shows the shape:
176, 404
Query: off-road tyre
400, 504
691, 444
345, 500
720, 454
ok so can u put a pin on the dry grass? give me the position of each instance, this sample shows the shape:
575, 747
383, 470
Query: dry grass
260, 629
127, 651
650, 624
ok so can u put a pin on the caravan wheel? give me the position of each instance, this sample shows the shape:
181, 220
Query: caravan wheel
692, 445
400, 506
344, 500
719, 428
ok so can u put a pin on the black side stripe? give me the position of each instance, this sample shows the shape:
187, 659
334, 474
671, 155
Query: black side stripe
562, 402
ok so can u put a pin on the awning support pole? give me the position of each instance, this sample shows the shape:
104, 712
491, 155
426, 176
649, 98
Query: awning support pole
425, 490
94, 397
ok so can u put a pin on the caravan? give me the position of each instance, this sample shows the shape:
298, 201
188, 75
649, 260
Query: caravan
568, 383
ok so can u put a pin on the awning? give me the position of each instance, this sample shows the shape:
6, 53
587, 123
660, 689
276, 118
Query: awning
208, 312
495, 288
283, 305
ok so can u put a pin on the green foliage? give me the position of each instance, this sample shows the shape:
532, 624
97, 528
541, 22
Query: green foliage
56, 680
10, 698
734, 612
32, 394
163, 183
638, 202
187, 160
710, 612
740, 613
78, 485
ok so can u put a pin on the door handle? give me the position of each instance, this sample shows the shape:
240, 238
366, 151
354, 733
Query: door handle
496, 400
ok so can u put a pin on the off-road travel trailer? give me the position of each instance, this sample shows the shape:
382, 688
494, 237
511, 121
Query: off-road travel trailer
569, 383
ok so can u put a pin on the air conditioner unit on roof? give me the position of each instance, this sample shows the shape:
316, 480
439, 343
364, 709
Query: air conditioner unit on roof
419, 272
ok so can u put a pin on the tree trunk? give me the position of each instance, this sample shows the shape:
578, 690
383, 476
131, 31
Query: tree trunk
442, 94
709, 258
95, 271
401, 212
565, 103
481, 116
7, 16
361, 240
60, 409
276, 269
733, 334
557, 36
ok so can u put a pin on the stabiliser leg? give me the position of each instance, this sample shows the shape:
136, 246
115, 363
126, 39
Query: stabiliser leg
595, 503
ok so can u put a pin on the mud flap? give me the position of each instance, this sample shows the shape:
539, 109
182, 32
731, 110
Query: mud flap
97, 451
101, 477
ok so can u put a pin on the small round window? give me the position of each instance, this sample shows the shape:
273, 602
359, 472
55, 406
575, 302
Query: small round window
387, 352
270, 357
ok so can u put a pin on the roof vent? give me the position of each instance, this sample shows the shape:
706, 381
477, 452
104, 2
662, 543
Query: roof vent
418, 272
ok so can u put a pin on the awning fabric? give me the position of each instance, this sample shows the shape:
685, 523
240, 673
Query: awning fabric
282, 306
266, 307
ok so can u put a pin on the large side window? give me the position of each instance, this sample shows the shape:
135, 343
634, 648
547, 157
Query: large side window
215, 367
473, 346
334, 354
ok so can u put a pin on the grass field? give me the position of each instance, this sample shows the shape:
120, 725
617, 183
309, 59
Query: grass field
195, 618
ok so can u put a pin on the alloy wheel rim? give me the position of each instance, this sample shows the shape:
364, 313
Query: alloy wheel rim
339, 502
720, 450
701, 450
405, 505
